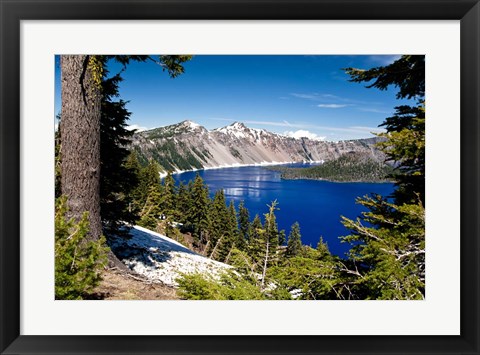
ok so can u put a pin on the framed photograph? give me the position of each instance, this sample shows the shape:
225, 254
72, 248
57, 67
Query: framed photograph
310, 105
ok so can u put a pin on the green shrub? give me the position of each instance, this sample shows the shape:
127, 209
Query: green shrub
229, 287
78, 261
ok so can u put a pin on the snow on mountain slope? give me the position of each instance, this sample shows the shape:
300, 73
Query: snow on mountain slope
187, 146
161, 259
239, 130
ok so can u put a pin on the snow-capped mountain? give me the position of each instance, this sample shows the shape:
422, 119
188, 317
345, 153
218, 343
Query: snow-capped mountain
187, 145
239, 130
176, 129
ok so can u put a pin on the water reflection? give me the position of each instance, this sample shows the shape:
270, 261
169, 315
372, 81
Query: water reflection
240, 193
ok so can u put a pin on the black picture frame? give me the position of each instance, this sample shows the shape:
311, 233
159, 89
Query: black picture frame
14, 11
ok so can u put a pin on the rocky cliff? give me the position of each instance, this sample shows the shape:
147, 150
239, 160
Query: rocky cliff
187, 145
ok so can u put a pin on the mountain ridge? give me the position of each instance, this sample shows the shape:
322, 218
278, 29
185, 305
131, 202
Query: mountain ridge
189, 146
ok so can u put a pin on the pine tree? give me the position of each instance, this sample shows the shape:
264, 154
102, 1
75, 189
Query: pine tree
387, 259
218, 214
133, 165
78, 260
294, 245
388, 255
268, 241
187, 207
273, 236
256, 244
405, 131
151, 212
116, 179
405, 147
198, 212
244, 222
183, 201
149, 176
232, 235
169, 195
322, 248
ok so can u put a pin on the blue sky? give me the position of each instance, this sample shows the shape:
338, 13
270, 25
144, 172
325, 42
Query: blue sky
295, 94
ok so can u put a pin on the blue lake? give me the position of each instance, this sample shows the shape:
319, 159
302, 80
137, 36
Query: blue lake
316, 205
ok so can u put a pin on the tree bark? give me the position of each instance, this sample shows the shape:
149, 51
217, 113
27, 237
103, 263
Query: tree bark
80, 132
265, 263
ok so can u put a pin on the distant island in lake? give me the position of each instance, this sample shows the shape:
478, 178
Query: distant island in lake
349, 167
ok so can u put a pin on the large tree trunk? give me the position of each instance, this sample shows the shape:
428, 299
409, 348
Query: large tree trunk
80, 132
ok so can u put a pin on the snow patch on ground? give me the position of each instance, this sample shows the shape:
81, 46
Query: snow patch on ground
162, 259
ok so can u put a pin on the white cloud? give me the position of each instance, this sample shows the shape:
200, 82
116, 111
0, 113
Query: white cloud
375, 110
137, 127
301, 133
315, 96
332, 105
304, 96
330, 96
329, 99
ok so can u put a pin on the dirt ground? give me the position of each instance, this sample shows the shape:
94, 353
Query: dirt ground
121, 285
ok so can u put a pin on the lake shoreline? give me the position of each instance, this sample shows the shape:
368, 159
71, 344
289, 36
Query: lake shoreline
238, 165
343, 182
